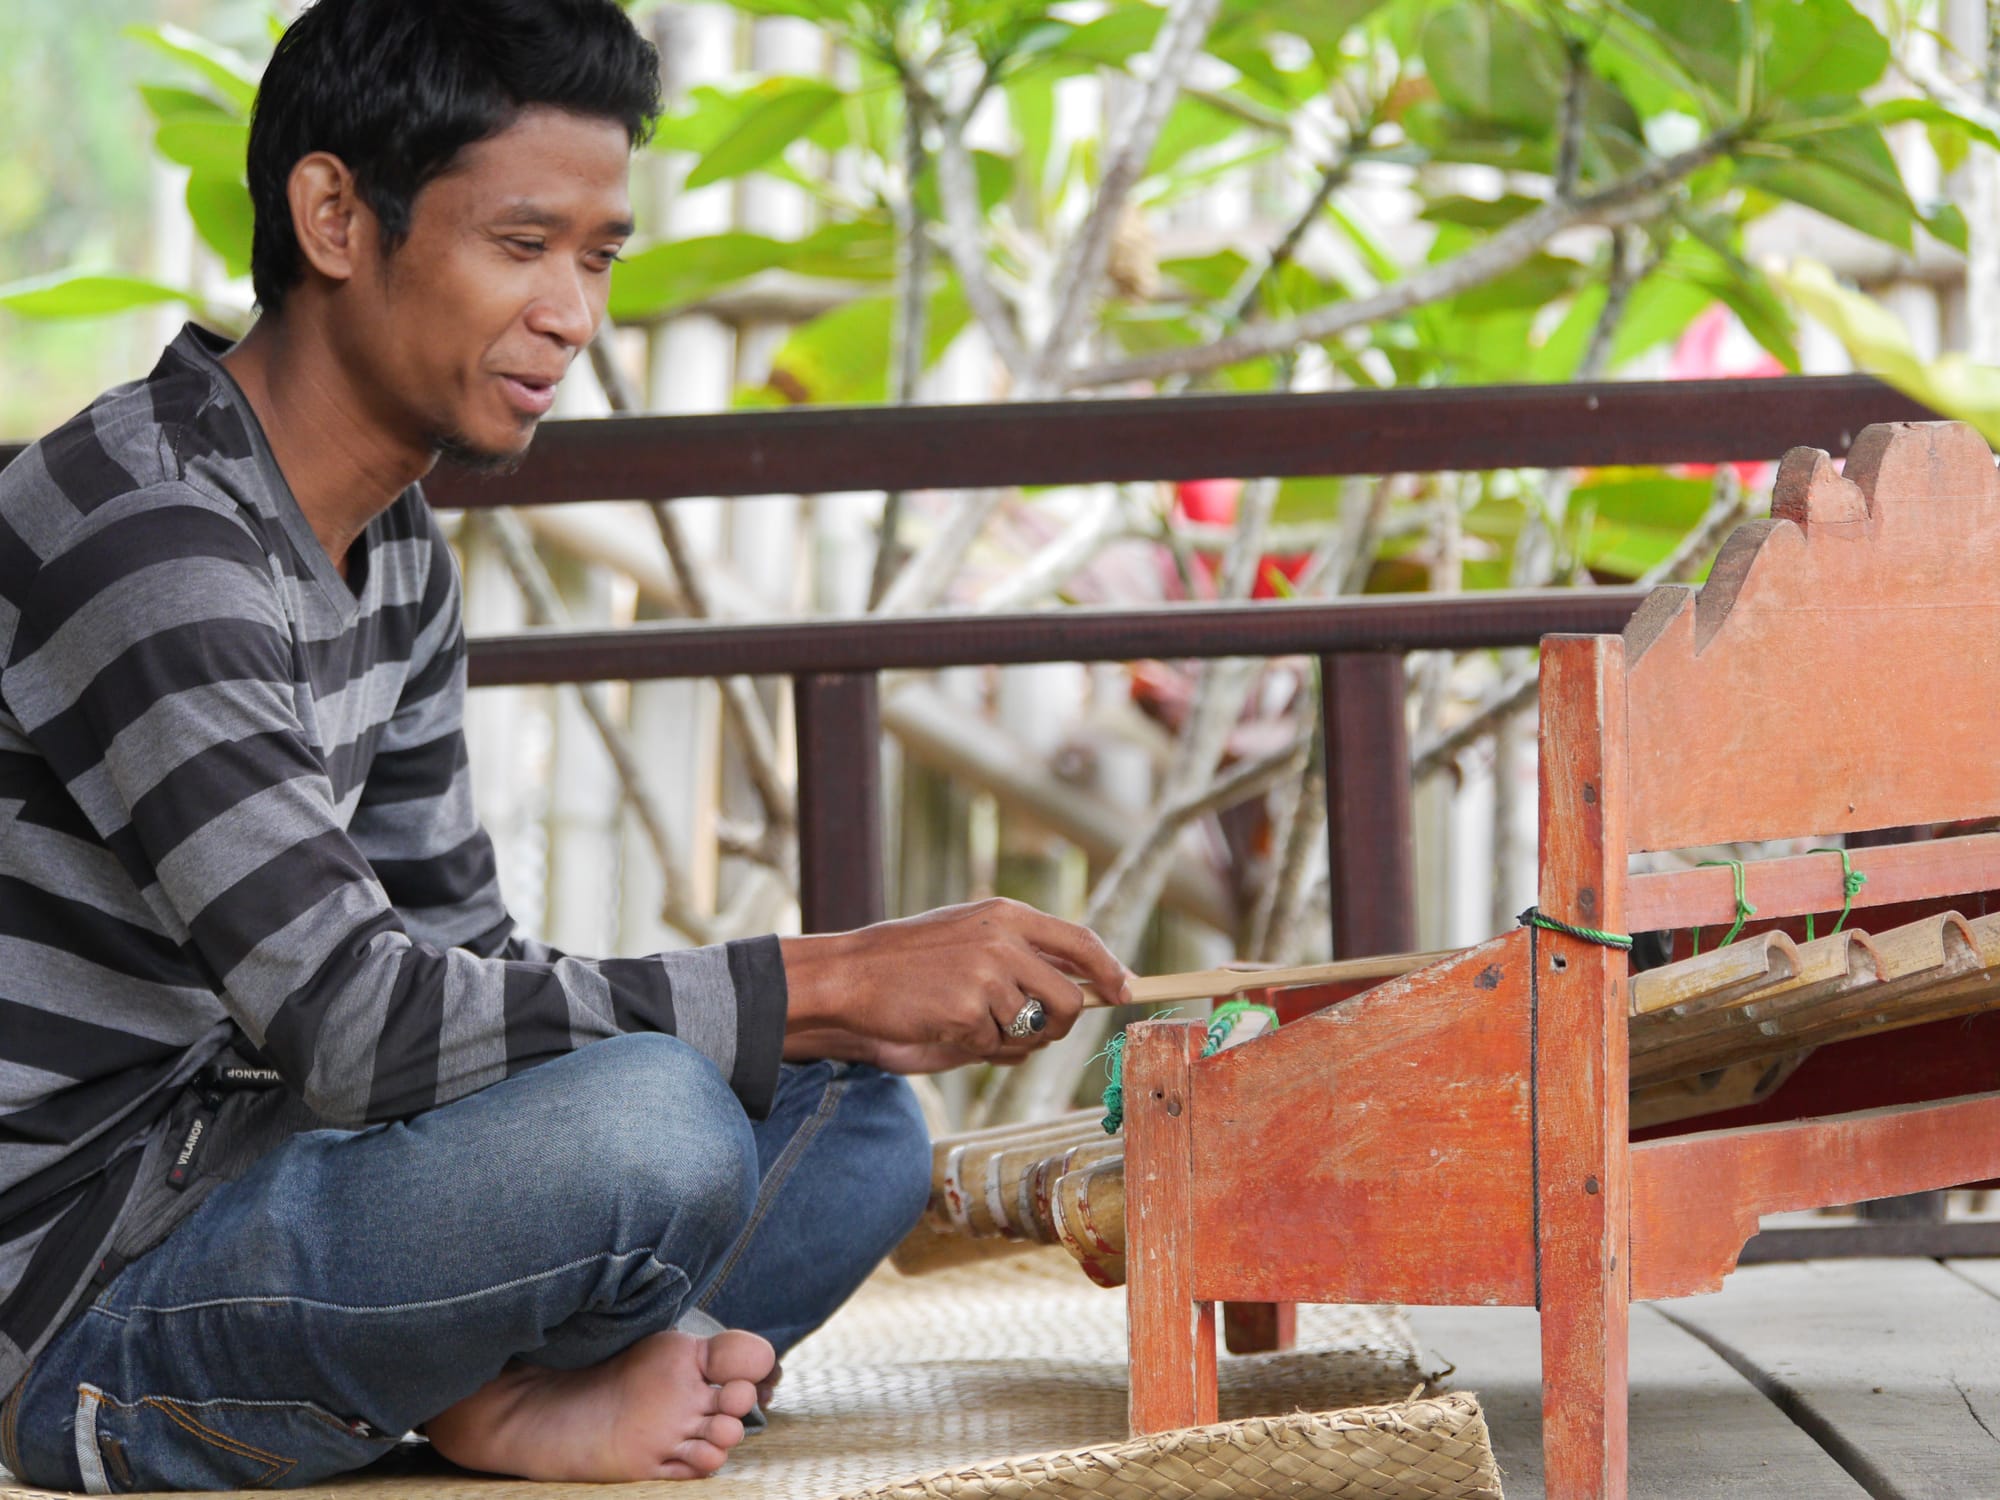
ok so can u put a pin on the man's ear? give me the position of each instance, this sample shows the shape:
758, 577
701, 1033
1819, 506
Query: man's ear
328, 215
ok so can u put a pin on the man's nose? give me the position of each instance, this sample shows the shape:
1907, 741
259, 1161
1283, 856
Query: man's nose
564, 311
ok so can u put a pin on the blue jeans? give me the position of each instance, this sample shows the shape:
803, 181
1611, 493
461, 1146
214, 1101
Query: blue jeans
353, 1284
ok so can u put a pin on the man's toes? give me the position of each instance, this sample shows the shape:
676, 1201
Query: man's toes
736, 1355
721, 1431
694, 1459
736, 1398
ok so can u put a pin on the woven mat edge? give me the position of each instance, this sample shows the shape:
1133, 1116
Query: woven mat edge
1462, 1406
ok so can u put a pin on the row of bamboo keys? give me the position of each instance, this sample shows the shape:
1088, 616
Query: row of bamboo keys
1777, 997
1062, 1181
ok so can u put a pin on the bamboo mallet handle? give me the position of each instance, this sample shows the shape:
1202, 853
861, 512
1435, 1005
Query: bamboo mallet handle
1215, 984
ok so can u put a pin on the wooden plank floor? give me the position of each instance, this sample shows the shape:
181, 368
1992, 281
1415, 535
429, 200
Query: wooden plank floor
1849, 1379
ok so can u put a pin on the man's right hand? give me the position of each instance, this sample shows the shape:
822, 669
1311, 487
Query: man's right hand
935, 991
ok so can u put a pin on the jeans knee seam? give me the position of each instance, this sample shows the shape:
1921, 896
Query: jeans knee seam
781, 1169
372, 1310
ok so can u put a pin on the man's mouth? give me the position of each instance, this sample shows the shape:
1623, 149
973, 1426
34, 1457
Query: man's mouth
530, 395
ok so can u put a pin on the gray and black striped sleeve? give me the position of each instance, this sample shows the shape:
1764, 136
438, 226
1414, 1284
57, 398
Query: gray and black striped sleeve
152, 666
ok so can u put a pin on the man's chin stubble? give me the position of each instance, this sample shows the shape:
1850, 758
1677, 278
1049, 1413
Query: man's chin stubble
466, 454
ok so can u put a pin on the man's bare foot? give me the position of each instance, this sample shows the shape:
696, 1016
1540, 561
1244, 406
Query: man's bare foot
669, 1407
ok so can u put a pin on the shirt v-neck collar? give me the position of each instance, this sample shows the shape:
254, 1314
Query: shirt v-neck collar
205, 349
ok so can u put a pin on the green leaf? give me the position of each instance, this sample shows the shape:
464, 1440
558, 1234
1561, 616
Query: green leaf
1479, 213
849, 250
1535, 283
1114, 38
1933, 114
1192, 125
1210, 277
842, 356
1713, 265
1879, 344
1491, 63
232, 76
1658, 311
1323, 25
1947, 222
1031, 106
217, 147
180, 104
83, 295
1374, 250
1817, 47
1562, 348
1303, 501
785, 109
1645, 497
656, 281
700, 124
1841, 186
1704, 37
1951, 147
220, 208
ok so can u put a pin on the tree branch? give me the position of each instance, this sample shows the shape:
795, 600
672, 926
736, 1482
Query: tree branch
1058, 562
907, 339
1495, 256
545, 607
739, 695
744, 708
926, 576
1304, 838
1569, 139
958, 196
1081, 268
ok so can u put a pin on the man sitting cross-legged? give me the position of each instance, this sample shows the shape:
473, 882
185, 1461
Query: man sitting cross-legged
301, 1144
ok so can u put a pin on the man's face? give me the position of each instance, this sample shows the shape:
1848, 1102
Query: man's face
464, 331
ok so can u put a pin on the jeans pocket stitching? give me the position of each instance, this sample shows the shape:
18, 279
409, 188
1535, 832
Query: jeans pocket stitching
10, 1424
276, 1465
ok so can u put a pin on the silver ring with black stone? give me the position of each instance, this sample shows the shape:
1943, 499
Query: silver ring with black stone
1028, 1020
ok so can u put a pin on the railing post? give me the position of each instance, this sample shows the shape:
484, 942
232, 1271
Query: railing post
840, 799
1372, 846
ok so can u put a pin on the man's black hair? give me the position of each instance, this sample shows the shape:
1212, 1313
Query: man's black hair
397, 88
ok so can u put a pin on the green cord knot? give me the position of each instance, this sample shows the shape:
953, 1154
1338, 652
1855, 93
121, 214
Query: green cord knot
1227, 1017
1534, 917
1851, 881
1744, 910
1114, 1085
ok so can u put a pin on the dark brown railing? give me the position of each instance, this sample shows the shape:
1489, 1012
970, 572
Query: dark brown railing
834, 663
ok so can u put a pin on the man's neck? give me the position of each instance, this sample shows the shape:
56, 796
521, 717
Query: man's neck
343, 468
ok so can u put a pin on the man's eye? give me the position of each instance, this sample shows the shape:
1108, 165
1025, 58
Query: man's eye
526, 245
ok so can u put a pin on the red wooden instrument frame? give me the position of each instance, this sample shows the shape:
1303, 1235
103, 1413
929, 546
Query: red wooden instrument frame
1460, 1135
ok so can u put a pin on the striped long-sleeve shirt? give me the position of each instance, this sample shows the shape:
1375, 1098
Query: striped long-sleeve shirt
235, 813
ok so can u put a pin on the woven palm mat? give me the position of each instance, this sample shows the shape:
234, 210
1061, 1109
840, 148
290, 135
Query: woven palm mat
940, 1377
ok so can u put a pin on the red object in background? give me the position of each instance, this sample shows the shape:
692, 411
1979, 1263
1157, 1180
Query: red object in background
1210, 502
1213, 502
1702, 354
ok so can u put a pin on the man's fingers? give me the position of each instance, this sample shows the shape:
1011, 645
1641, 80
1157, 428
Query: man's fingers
1079, 949
1035, 976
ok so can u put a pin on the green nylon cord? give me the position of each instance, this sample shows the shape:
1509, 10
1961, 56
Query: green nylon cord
1744, 910
1220, 1025
1851, 881
1533, 917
